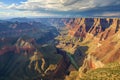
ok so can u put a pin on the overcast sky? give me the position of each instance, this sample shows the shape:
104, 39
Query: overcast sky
59, 8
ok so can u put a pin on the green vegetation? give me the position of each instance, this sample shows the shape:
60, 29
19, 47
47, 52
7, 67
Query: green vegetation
109, 72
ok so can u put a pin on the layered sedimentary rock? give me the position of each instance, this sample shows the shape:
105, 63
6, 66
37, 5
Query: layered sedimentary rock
78, 28
114, 26
101, 36
102, 28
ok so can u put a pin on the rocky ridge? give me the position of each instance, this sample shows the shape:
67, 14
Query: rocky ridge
100, 35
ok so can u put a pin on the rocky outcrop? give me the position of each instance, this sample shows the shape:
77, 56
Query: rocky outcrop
111, 30
96, 28
102, 28
110, 49
102, 37
36, 60
60, 70
21, 46
90, 62
78, 28
26, 45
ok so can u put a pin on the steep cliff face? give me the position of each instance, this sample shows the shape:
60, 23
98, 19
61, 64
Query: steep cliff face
22, 59
90, 63
96, 28
101, 28
109, 51
105, 46
78, 27
111, 30
26, 46
105, 50
101, 36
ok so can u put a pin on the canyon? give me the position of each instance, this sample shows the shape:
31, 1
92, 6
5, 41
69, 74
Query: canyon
98, 38
58, 49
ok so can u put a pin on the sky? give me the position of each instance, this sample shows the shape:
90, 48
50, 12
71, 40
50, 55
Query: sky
59, 8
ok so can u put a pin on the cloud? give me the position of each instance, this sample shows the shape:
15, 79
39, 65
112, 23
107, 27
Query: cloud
68, 2
53, 5
63, 5
2, 5
66, 7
